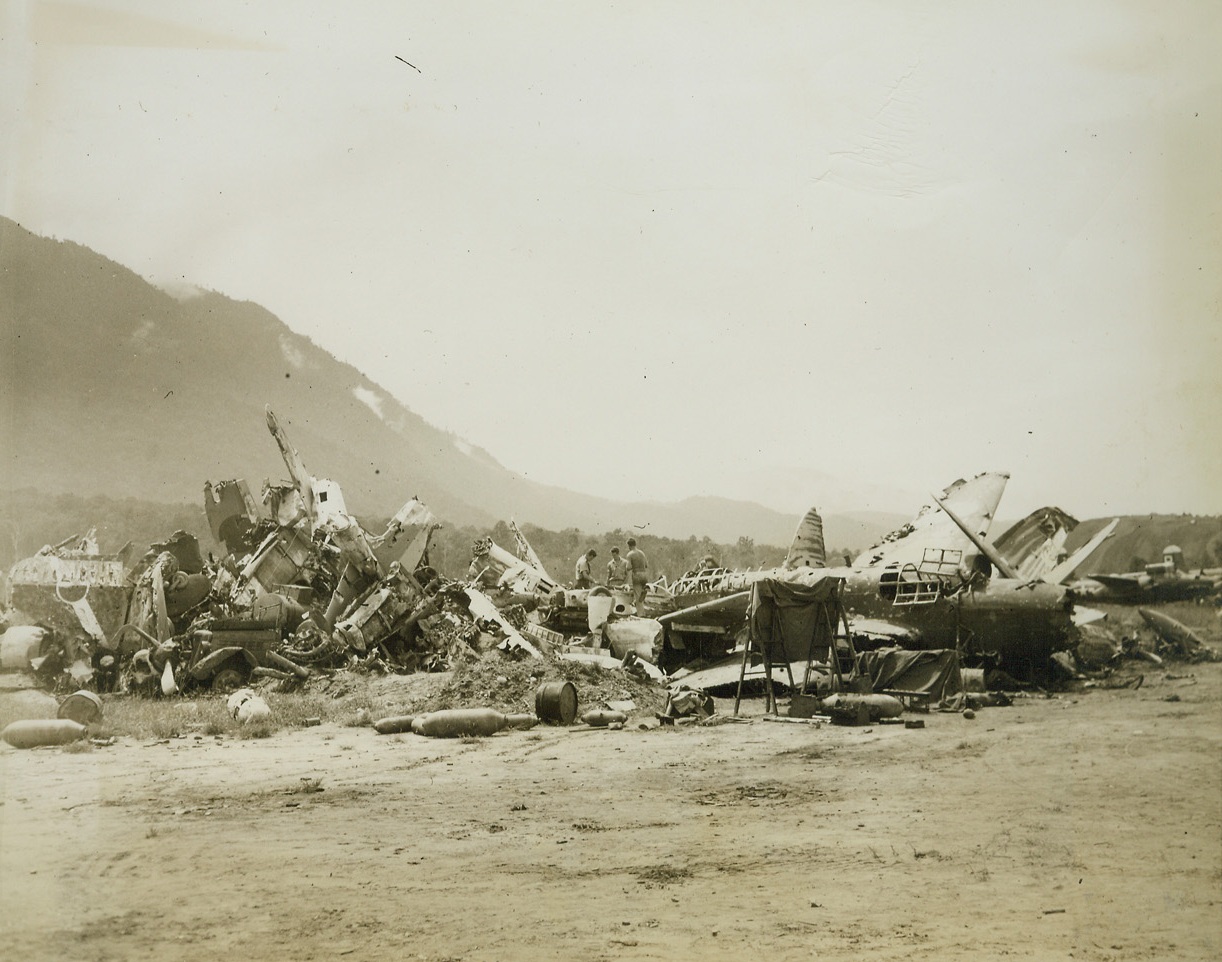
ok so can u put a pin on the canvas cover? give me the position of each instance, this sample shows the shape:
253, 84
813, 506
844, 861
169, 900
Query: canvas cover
934, 673
784, 616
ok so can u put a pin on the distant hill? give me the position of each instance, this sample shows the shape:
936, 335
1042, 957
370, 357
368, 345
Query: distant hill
1140, 539
113, 387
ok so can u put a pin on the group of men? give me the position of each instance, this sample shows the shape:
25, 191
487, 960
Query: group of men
630, 572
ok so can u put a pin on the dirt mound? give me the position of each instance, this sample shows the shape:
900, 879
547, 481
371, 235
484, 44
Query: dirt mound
495, 682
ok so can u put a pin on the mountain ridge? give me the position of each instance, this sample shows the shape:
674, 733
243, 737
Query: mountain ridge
114, 386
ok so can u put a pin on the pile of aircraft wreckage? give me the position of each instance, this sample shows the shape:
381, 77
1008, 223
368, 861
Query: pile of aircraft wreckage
304, 589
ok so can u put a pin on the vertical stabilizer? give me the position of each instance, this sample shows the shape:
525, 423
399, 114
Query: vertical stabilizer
807, 550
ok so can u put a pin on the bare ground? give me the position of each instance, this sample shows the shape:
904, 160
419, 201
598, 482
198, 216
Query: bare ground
1087, 826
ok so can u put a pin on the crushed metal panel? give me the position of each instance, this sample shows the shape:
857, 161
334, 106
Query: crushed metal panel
525, 551
49, 570
71, 586
515, 574
232, 512
409, 523
185, 549
278, 561
379, 615
1034, 545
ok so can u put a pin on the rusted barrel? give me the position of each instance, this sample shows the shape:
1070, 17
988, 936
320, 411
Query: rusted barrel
83, 707
556, 702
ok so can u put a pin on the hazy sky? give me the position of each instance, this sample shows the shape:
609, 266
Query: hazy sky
802, 253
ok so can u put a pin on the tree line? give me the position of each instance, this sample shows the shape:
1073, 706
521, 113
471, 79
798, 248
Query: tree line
30, 519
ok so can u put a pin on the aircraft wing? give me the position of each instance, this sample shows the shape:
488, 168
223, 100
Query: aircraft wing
876, 630
1121, 584
1062, 572
932, 530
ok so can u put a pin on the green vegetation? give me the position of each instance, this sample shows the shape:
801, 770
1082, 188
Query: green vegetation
558, 550
30, 519
208, 716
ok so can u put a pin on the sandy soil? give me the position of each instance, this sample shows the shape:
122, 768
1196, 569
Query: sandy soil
1085, 826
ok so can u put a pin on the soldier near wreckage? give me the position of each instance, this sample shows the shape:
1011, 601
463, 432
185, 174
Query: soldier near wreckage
639, 568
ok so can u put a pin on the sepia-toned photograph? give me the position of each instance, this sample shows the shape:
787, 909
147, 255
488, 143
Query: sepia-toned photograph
501, 482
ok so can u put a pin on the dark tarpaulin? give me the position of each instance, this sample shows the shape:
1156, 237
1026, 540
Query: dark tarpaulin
784, 617
935, 673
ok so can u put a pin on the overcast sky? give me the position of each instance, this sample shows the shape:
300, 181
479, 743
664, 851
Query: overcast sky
801, 253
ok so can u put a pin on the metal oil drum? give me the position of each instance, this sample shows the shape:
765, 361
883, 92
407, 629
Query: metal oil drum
83, 707
556, 702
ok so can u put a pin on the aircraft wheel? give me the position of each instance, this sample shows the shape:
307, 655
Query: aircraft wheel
228, 678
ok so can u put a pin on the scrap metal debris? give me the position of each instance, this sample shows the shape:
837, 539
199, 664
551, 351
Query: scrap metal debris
304, 594
303, 589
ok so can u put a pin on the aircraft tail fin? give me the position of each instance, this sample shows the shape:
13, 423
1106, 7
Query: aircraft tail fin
807, 549
1066, 568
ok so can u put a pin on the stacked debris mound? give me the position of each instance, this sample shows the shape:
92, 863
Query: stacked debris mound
303, 588
1115, 652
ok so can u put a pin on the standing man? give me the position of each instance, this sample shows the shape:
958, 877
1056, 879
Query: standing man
617, 571
581, 575
639, 566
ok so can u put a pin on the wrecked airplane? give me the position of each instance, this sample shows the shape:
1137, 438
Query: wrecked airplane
303, 587
1162, 581
928, 585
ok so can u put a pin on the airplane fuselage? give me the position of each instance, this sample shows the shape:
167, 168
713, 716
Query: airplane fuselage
1023, 623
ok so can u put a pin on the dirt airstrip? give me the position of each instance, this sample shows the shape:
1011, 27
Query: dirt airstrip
1083, 826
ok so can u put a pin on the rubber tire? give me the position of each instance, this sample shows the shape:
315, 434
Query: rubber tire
229, 678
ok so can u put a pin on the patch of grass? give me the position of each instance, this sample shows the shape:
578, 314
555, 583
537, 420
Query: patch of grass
260, 728
137, 717
658, 876
308, 786
133, 716
77, 747
360, 709
294, 708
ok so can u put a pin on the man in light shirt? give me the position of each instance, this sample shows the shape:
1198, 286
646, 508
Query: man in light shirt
581, 575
